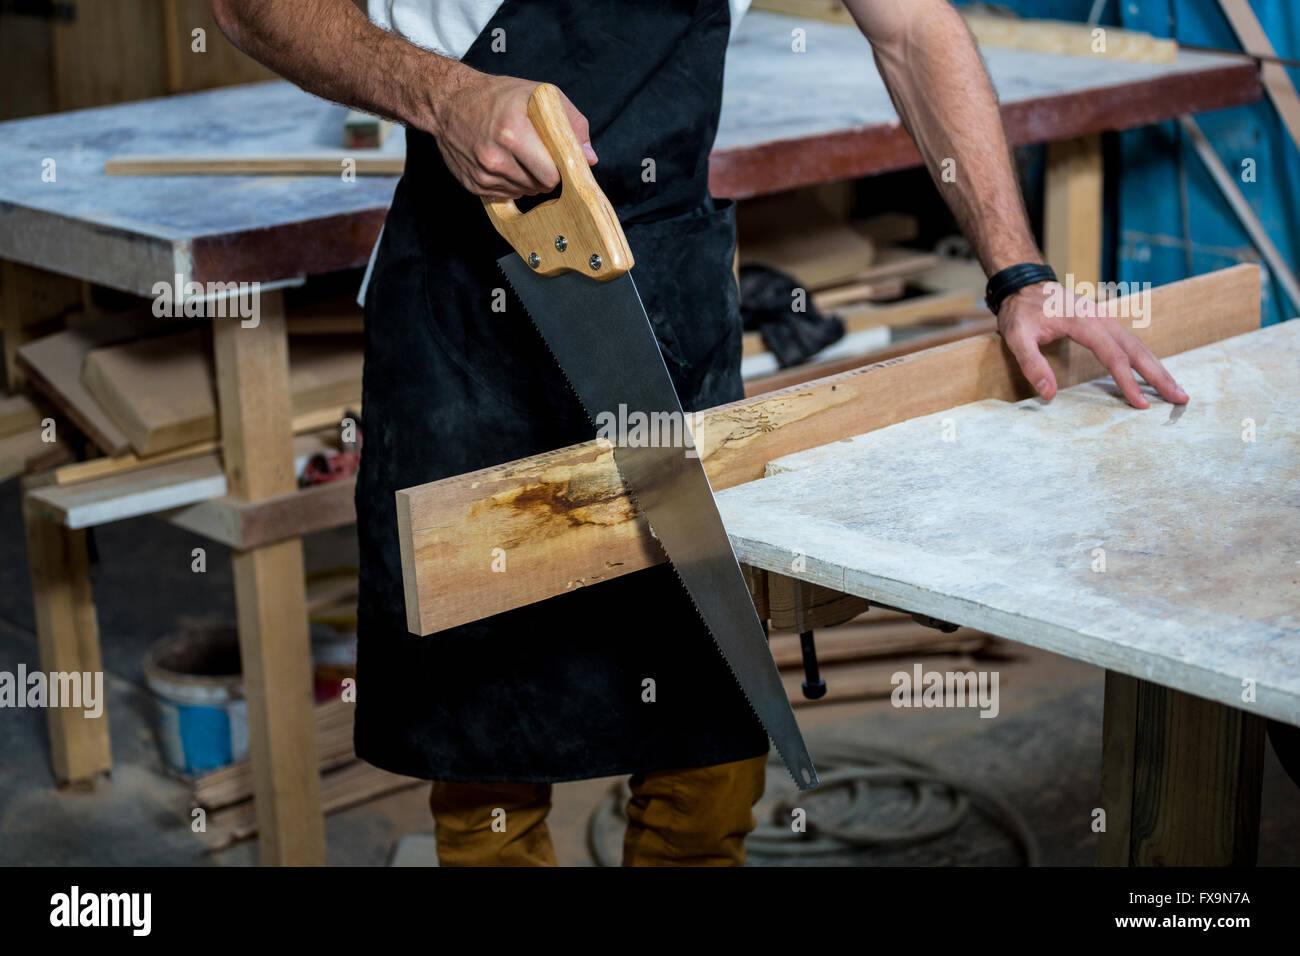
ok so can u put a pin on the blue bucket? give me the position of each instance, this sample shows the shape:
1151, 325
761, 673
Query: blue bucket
199, 691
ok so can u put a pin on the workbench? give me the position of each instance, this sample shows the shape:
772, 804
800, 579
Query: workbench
1162, 545
1158, 544
788, 119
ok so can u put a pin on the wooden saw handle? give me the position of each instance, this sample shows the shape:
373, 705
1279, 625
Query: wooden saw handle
577, 230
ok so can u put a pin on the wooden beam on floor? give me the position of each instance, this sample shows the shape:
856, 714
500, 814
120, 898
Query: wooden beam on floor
564, 518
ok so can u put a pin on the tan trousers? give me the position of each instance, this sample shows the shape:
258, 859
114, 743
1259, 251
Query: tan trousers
696, 817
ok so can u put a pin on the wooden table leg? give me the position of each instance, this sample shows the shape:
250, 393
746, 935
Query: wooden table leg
257, 442
68, 638
1181, 778
1072, 213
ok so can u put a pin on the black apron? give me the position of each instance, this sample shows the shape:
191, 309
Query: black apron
552, 691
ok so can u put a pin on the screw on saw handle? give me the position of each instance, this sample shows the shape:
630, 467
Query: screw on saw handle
577, 230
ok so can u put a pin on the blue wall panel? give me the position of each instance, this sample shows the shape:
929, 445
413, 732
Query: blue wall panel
1170, 219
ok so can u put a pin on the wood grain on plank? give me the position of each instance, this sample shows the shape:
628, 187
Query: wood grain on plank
564, 518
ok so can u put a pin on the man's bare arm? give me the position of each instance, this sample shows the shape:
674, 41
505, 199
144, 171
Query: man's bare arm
329, 48
937, 81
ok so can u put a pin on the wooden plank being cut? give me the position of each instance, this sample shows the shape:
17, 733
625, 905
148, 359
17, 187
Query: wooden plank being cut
564, 517
1162, 544
161, 391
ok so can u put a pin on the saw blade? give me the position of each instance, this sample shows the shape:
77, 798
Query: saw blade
601, 337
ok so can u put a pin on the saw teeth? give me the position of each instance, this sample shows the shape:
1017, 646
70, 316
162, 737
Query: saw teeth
591, 419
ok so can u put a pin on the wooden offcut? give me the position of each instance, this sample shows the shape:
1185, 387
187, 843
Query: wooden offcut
564, 518
794, 234
161, 391
54, 364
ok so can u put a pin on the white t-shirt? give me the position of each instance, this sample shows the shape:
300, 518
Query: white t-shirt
449, 27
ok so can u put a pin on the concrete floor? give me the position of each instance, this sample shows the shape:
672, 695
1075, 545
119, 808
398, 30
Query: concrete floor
1042, 754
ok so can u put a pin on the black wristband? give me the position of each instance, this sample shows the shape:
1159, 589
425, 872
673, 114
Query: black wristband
1012, 279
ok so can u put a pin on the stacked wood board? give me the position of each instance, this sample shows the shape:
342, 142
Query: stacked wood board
888, 296
24, 440
227, 794
146, 400
162, 391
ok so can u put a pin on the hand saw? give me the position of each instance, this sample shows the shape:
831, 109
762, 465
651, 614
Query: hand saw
572, 274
